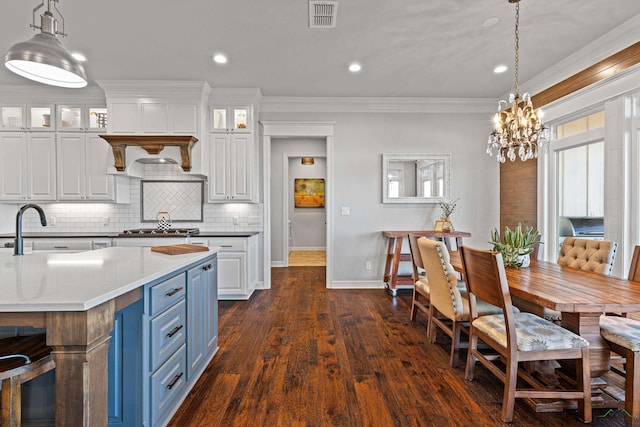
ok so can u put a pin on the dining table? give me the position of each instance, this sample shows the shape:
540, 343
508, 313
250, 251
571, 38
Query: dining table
581, 297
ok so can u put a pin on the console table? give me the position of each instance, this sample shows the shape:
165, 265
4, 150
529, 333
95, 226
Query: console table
394, 253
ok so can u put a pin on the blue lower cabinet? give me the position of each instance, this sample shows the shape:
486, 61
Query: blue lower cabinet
125, 365
168, 386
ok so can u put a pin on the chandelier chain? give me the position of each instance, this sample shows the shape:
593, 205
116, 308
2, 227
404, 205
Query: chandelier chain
517, 55
518, 128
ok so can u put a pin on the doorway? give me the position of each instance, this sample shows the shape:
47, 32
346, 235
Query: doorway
304, 213
275, 130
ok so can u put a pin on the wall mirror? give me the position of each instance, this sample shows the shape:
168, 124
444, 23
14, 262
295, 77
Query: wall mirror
415, 178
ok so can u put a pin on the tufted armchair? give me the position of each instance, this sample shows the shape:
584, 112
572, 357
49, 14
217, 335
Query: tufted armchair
597, 256
449, 301
589, 255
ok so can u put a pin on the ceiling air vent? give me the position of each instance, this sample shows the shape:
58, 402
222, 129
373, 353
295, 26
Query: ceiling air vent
322, 14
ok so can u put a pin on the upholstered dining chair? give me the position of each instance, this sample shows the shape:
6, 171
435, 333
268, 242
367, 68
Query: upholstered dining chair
623, 336
421, 284
518, 337
448, 297
597, 256
22, 359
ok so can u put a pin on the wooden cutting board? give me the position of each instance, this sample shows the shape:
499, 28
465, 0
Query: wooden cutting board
179, 249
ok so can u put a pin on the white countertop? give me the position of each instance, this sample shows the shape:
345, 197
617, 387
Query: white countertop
82, 280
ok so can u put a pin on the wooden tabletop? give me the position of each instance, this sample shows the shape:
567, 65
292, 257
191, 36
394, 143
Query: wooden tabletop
571, 290
427, 233
568, 289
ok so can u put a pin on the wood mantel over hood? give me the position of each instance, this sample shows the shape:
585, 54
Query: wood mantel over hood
152, 144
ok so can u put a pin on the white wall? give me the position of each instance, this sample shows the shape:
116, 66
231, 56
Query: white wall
359, 141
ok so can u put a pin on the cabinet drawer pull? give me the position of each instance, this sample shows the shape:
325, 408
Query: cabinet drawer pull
226, 246
174, 331
61, 247
207, 267
174, 381
173, 292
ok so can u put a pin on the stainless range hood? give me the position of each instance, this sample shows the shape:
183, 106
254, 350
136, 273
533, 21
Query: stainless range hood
155, 149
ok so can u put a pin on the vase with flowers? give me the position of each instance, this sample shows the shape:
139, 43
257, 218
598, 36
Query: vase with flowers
448, 207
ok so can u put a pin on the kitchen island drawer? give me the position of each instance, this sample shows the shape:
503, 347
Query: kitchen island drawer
229, 244
168, 333
167, 293
168, 386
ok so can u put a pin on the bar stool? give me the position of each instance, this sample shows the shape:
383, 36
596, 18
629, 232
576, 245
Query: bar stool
22, 359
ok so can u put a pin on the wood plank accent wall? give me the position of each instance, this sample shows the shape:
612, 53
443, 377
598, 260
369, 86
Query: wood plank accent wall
518, 180
518, 194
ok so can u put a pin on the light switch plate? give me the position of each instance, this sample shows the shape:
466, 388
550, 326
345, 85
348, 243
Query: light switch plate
345, 210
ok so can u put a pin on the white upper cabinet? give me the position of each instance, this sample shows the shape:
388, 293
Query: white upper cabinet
82, 168
28, 166
231, 172
229, 119
159, 118
82, 118
27, 118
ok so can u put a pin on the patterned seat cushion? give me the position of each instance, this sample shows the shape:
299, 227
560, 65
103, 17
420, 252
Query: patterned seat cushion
622, 331
533, 333
423, 284
538, 310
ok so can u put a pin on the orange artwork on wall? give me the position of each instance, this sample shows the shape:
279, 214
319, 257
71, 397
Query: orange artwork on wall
308, 193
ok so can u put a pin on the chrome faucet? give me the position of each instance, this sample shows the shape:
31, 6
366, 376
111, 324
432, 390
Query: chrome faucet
17, 247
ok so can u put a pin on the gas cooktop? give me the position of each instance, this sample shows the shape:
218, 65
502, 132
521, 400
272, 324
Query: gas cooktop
147, 232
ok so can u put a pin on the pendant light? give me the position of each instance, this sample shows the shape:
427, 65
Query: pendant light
518, 129
44, 58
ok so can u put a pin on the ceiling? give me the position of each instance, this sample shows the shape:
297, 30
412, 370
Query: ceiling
407, 48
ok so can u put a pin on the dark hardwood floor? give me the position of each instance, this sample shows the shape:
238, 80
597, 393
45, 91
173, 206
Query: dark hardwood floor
303, 355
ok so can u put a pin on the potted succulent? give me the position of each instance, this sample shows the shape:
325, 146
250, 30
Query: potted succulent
515, 245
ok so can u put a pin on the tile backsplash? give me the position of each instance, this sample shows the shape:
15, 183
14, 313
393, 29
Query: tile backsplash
113, 218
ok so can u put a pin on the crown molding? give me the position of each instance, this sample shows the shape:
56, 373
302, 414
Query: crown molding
154, 88
283, 104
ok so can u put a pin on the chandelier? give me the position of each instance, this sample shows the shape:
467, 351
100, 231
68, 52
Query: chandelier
518, 128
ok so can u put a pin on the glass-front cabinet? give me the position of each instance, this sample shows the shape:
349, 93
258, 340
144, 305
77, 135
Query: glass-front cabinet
27, 117
82, 118
230, 119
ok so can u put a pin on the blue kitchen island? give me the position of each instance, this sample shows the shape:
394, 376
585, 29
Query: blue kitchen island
131, 329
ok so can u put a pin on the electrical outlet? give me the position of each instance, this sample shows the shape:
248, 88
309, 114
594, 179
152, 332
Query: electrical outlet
235, 220
367, 265
345, 210
52, 221
106, 220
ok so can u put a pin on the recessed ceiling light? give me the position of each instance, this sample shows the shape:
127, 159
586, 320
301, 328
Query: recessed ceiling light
500, 69
219, 58
490, 22
80, 57
355, 67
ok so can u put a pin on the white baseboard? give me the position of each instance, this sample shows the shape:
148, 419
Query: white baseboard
357, 284
302, 248
277, 264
